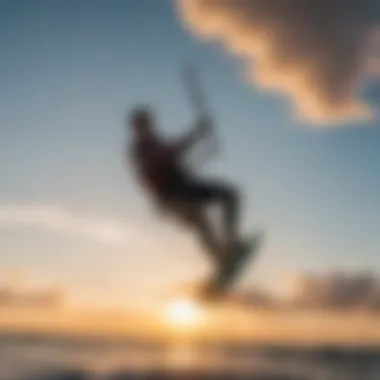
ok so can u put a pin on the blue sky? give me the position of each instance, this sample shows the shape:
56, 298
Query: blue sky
70, 70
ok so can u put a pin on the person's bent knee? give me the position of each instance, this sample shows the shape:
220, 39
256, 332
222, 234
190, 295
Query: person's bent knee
231, 193
188, 214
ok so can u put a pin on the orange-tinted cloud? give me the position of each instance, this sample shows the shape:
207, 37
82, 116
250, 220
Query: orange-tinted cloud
317, 52
328, 291
338, 290
20, 289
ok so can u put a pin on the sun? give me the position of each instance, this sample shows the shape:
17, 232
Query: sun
184, 312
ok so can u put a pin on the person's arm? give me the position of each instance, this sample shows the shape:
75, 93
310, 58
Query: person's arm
201, 129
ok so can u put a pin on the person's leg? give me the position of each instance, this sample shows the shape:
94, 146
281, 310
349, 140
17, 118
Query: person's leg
194, 218
203, 192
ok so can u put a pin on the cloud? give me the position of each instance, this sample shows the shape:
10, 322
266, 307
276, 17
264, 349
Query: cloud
337, 290
48, 298
20, 289
317, 52
135, 235
330, 291
57, 219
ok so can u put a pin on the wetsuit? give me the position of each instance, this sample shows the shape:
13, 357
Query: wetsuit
161, 171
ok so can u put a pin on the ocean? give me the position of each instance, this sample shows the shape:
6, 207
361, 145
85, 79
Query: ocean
34, 357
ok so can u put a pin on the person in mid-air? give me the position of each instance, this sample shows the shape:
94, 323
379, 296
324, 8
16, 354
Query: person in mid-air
159, 165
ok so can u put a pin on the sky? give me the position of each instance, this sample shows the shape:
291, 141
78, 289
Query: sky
306, 154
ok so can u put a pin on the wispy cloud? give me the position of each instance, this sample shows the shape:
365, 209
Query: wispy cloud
57, 219
317, 52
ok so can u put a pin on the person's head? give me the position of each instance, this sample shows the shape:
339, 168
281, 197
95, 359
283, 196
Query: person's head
141, 121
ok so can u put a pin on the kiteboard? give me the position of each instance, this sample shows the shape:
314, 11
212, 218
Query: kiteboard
222, 281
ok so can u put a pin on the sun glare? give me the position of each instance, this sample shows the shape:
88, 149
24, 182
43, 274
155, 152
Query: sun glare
184, 312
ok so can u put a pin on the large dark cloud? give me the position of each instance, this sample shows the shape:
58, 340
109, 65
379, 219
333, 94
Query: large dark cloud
316, 51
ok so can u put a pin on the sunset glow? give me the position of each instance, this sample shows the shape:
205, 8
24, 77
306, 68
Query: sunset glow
184, 312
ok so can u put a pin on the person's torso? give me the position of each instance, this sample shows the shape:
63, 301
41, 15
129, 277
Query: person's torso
155, 166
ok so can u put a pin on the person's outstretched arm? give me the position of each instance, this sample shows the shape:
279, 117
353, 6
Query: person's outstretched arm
201, 129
